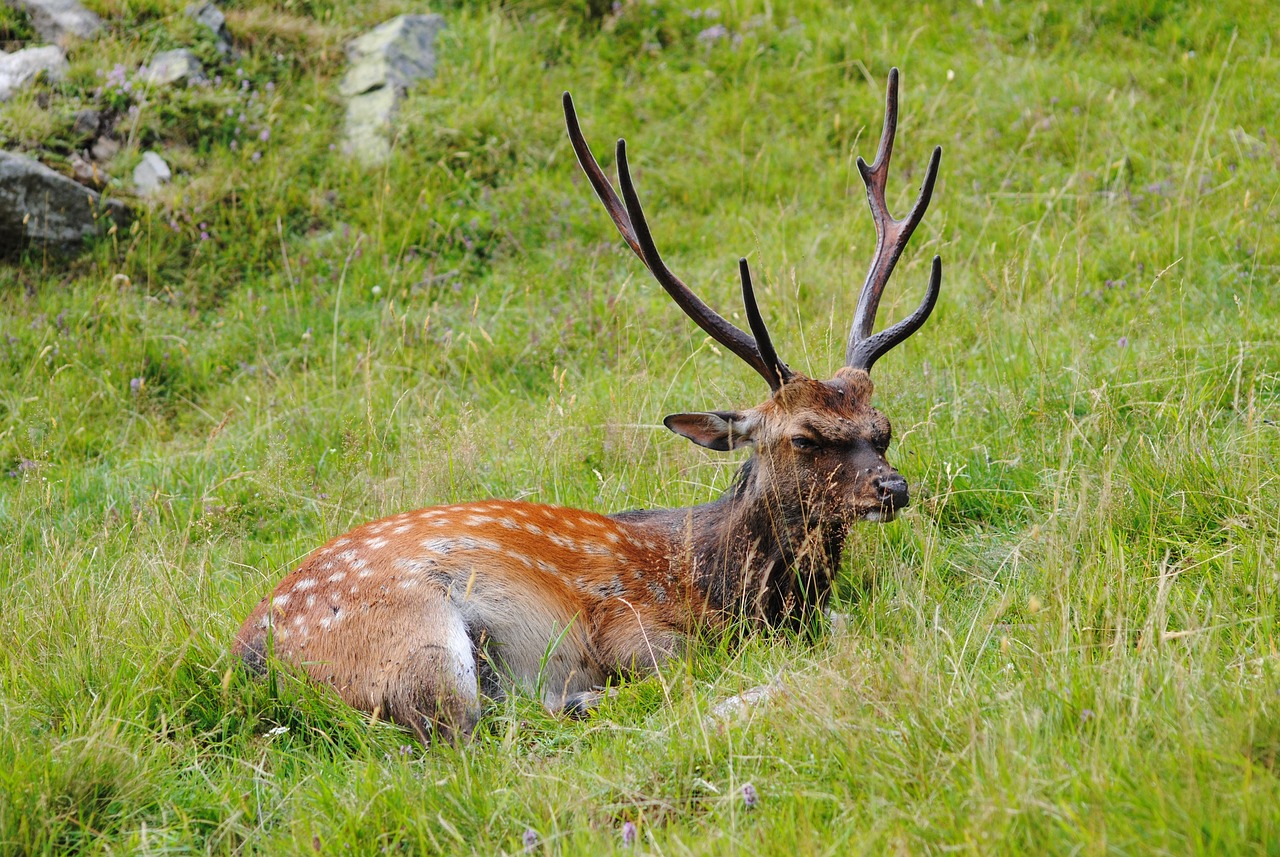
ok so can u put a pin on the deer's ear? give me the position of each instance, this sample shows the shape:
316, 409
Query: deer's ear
719, 430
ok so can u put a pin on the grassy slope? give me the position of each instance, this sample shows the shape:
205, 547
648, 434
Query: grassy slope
1068, 643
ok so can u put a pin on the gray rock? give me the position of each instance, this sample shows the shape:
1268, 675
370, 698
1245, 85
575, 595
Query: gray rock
211, 16
395, 53
38, 205
87, 122
56, 20
87, 172
368, 128
22, 67
170, 67
150, 173
383, 63
104, 148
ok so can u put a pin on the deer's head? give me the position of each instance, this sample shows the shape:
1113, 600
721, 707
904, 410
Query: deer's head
818, 446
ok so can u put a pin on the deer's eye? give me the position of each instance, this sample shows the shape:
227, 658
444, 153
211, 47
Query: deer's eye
805, 444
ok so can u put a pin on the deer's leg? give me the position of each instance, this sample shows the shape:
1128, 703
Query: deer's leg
430, 680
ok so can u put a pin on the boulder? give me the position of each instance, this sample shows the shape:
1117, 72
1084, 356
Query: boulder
172, 67
38, 205
56, 20
383, 63
22, 67
150, 173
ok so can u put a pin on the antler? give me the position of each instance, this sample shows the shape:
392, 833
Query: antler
757, 351
892, 236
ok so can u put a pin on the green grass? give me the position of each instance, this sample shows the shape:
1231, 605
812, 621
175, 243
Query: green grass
1068, 644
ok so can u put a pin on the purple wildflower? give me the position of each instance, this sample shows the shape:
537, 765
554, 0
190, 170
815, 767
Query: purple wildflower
265, 135
135, 385
1123, 342
749, 796
530, 840
629, 833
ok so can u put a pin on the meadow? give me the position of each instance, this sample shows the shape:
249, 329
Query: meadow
1069, 643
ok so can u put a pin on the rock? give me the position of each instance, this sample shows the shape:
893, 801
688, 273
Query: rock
104, 148
56, 20
383, 63
150, 173
22, 67
368, 129
170, 67
41, 206
395, 53
87, 172
211, 16
87, 122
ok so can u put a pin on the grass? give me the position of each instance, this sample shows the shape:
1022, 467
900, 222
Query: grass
1068, 643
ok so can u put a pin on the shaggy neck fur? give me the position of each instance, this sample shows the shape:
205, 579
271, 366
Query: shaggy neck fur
753, 552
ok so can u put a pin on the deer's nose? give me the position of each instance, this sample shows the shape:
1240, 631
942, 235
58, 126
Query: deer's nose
892, 491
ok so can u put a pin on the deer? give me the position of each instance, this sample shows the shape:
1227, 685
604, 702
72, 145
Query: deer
418, 617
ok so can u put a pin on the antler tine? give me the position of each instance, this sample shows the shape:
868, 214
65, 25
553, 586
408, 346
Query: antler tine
598, 180
892, 236
866, 352
764, 343
630, 220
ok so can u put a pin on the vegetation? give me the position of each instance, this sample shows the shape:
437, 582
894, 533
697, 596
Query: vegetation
1069, 643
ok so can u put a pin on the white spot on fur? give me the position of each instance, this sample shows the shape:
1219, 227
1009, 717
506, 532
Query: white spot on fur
549, 567
533, 528
508, 523
477, 520
519, 557
311, 601
337, 577
403, 528
613, 536
280, 600
304, 584
437, 545
363, 573
342, 541
376, 544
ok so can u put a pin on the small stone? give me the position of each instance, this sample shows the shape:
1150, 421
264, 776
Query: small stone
150, 173
87, 122
211, 16
57, 20
104, 149
171, 67
21, 68
87, 172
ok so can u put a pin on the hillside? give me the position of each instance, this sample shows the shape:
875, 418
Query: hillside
1070, 642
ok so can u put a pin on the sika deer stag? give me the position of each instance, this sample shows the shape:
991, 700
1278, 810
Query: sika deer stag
415, 616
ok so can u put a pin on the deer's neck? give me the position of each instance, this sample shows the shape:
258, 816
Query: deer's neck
752, 553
